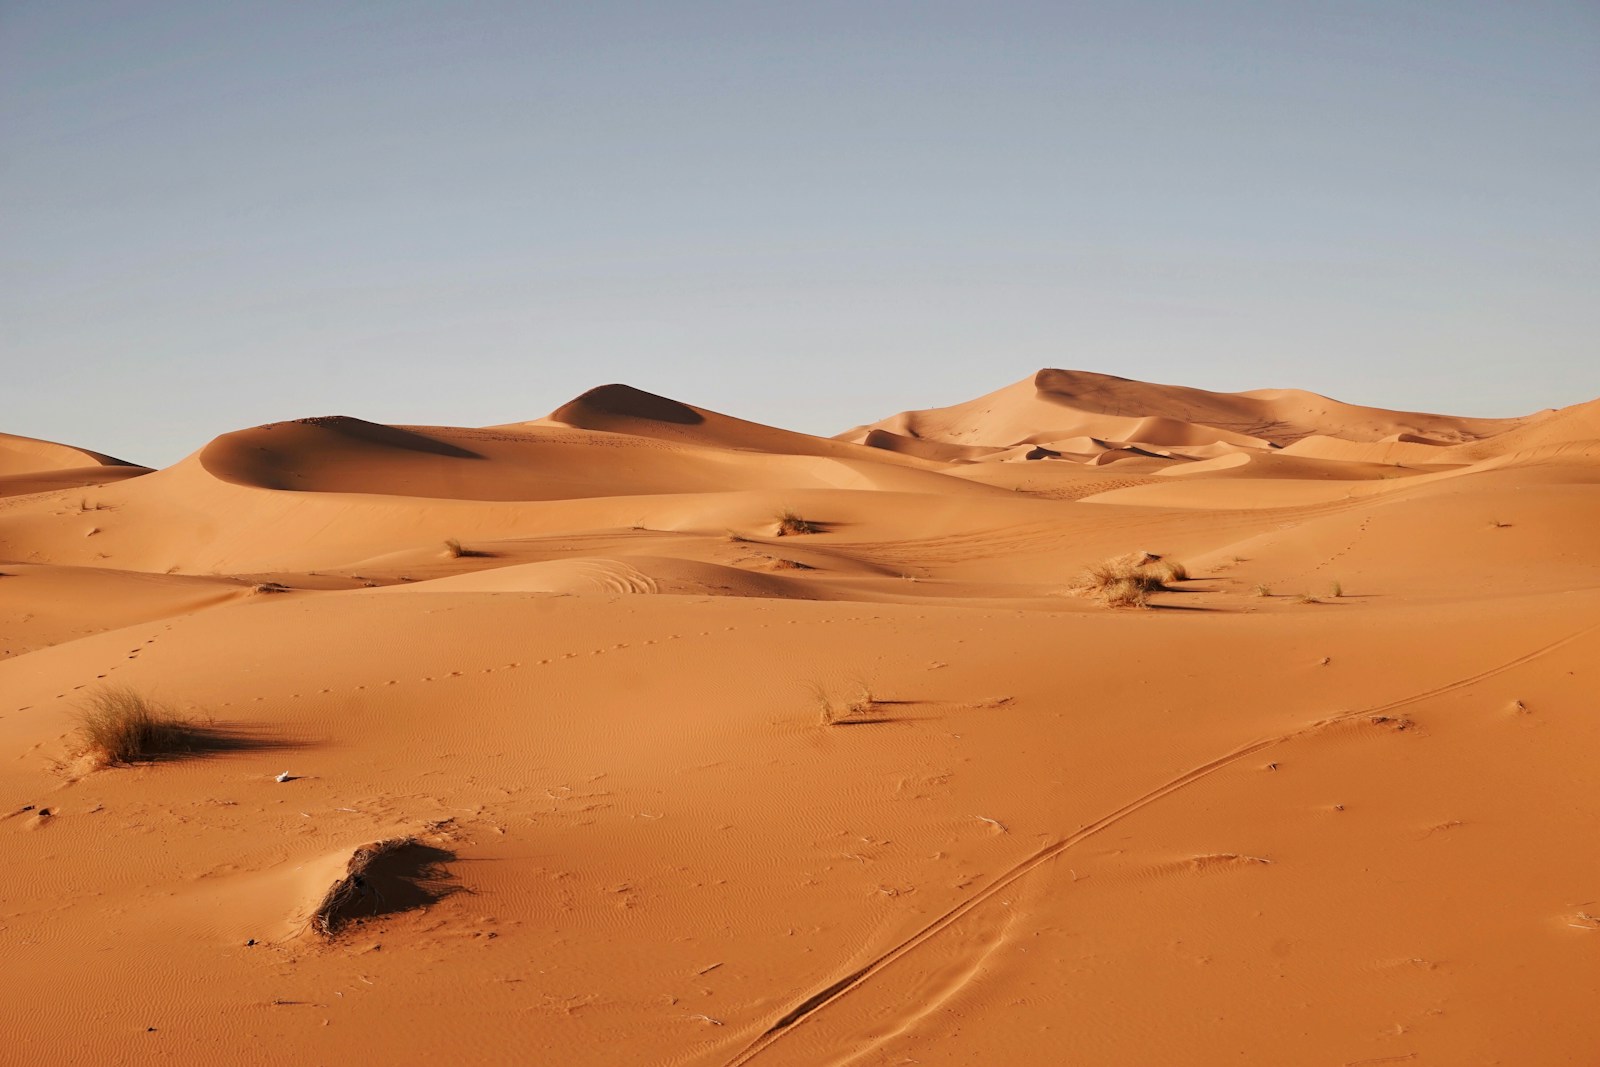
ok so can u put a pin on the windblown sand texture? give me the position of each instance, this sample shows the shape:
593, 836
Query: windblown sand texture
583, 763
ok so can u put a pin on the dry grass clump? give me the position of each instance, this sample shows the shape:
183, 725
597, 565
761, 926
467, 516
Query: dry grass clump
790, 523
120, 726
1128, 581
453, 549
832, 714
269, 587
1169, 570
1263, 590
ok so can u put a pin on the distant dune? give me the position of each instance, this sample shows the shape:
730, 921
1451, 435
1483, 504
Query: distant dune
1090, 720
30, 466
1059, 404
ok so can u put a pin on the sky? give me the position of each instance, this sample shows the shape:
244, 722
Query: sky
812, 214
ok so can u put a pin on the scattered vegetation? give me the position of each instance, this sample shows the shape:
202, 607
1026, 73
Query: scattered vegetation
838, 714
1336, 589
735, 537
1306, 598
453, 549
120, 726
269, 587
1263, 590
1128, 581
790, 523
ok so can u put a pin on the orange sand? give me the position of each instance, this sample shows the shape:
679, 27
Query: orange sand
1256, 823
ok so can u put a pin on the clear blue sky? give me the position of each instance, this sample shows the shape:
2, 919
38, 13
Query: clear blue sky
806, 213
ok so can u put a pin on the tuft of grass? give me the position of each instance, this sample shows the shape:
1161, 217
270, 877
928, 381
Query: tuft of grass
1170, 570
120, 726
1336, 589
1128, 581
1263, 590
269, 587
453, 549
790, 523
827, 711
735, 537
834, 714
1306, 598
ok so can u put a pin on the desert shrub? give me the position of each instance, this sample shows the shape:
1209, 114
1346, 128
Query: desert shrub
121, 726
1170, 570
790, 523
1128, 581
834, 714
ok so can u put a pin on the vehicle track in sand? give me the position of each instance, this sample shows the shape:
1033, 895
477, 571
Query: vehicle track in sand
811, 1005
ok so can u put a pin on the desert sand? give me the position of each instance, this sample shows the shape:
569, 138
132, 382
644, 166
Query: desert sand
889, 786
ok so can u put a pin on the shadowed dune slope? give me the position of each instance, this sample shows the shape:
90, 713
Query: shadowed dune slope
32, 466
623, 409
529, 461
26, 455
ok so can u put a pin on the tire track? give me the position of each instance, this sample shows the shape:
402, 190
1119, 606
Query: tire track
823, 997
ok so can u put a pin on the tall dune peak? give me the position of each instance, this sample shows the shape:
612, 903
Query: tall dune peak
618, 401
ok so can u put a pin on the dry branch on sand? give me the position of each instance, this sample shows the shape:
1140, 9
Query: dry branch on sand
1128, 581
392, 875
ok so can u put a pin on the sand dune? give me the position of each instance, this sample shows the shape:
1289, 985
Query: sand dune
641, 734
31, 466
1062, 403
